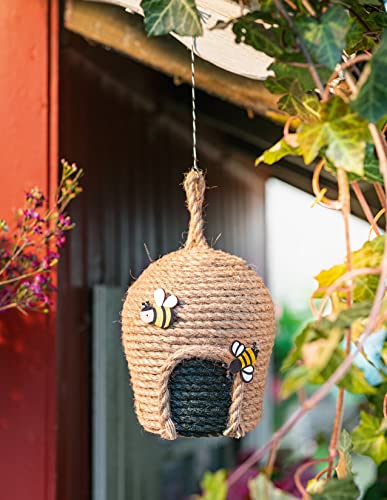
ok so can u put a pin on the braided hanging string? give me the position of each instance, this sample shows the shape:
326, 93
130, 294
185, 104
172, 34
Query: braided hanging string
195, 185
193, 93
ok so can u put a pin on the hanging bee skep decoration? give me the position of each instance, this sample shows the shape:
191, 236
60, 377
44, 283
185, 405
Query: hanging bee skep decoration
203, 374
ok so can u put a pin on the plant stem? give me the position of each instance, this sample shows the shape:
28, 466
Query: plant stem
301, 470
344, 197
380, 193
24, 276
342, 67
312, 68
8, 306
365, 207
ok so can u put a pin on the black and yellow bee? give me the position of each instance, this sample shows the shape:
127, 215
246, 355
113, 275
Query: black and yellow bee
161, 314
244, 360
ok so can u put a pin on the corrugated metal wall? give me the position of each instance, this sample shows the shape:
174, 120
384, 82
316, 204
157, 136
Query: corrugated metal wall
123, 124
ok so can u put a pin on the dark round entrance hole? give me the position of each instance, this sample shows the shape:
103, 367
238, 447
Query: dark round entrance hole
200, 397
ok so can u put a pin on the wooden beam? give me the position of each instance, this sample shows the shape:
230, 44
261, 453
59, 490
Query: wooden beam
113, 27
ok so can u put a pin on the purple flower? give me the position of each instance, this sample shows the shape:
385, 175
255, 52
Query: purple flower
35, 196
60, 239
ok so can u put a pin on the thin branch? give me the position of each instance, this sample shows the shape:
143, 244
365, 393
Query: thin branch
309, 8
318, 192
312, 68
342, 67
301, 470
365, 207
381, 212
380, 193
344, 196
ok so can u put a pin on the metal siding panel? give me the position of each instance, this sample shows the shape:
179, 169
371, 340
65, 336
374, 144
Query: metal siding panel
135, 153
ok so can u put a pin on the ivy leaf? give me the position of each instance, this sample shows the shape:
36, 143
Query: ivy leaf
378, 489
279, 85
370, 437
265, 39
371, 101
298, 103
163, 16
369, 255
214, 485
317, 347
276, 153
354, 380
325, 38
261, 488
341, 131
344, 466
371, 165
357, 38
283, 70
338, 489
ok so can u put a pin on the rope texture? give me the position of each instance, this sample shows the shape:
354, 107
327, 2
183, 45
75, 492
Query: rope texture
221, 299
195, 186
200, 397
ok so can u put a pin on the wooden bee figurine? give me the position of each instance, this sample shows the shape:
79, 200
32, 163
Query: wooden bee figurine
244, 360
161, 314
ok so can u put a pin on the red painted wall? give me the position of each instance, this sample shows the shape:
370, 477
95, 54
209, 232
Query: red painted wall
28, 157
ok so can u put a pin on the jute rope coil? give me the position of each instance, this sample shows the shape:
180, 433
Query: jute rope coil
221, 299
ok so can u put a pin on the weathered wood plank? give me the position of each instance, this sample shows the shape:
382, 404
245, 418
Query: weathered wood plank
113, 27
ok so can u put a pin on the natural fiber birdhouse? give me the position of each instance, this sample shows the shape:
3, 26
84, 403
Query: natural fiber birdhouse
198, 330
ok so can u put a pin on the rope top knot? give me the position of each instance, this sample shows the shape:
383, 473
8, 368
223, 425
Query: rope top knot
195, 185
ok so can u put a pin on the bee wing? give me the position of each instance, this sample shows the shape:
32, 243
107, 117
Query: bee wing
171, 301
247, 374
159, 297
237, 348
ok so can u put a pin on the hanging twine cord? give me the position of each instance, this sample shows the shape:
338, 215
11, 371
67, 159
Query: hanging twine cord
193, 93
195, 185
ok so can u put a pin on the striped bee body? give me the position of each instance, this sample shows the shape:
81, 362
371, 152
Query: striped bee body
245, 357
163, 316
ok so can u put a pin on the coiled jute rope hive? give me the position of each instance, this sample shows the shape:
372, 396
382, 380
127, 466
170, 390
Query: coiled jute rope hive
181, 383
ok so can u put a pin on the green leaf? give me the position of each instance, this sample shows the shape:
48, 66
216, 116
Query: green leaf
164, 16
282, 69
371, 101
369, 255
370, 437
378, 490
255, 34
296, 378
345, 447
261, 488
354, 381
325, 38
317, 347
276, 153
375, 401
214, 485
341, 131
357, 38
335, 489
371, 165
279, 85
298, 103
